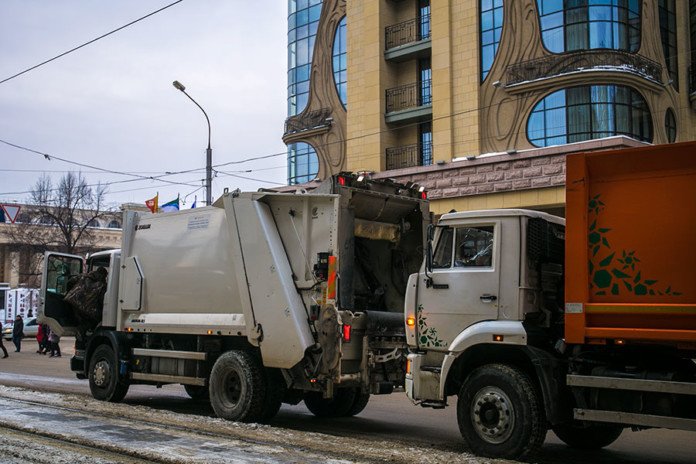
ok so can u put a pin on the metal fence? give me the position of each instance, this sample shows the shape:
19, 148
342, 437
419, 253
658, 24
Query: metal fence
554, 65
409, 156
409, 96
407, 32
311, 120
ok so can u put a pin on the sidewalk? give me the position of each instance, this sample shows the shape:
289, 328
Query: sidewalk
29, 361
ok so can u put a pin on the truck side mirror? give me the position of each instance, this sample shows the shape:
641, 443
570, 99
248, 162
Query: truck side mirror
429, 248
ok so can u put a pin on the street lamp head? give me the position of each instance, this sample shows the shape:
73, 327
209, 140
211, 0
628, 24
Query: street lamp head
179, 85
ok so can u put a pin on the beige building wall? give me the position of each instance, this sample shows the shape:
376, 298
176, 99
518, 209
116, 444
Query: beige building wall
471, 118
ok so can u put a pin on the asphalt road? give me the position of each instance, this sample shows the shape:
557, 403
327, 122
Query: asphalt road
386, 417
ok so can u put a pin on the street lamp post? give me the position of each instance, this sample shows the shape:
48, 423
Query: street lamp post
208, 152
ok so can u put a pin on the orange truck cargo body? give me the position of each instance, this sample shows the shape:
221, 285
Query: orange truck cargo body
631, 246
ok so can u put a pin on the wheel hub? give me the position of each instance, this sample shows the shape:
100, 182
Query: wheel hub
233, 387
492, 414
102, 372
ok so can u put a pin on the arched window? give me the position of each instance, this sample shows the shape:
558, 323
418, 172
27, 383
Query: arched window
491, 28
46, 220
93, 223
670, 126
303, 21
569, 25
114, 224
340, 64
589, 112
303, 164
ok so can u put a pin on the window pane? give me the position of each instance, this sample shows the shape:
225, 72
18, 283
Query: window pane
474, 247
589, 112
590, 24
442, 258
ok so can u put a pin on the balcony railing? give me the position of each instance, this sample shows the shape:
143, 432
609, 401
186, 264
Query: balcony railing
407, 32
317, 119
409, 96
409, 156
556, 65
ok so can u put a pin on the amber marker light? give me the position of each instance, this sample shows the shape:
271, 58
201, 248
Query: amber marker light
210, 332
620, 342
498, 338
408, 366
129, 329
411, 321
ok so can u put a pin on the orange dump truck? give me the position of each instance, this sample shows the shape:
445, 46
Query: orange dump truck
585, 325
631, 246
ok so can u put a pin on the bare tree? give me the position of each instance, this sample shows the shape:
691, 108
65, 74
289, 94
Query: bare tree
61, 220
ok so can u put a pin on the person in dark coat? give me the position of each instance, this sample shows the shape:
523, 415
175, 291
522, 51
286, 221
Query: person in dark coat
18, 333
4, 350
54, 341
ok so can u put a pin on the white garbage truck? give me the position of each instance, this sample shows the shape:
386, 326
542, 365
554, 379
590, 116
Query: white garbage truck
261, 298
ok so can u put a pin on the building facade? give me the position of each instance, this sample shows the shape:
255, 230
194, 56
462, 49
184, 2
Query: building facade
19, 264
481, 100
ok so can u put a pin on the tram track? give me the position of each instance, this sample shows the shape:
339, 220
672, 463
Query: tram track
29, 447
216, 436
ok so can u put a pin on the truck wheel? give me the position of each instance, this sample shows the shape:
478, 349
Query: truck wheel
104, 381
587, 436
196, 392
499, 413
338, 406
360, 402
275, 392
237, 387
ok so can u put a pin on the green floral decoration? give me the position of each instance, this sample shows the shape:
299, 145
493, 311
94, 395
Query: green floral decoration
616, 274
428, 336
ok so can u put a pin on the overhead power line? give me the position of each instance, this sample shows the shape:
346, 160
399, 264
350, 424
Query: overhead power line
90, 42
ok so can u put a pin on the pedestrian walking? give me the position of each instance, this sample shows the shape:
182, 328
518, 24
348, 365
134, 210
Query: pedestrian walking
18, 333
4, 350
40, 336
54, 341
45, 345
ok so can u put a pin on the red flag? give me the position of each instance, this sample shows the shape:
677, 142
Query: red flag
152, 203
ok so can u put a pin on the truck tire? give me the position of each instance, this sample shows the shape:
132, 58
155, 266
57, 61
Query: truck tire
196, 392
338, 406
360, 402
587, 436
104, 381
237, 387
500, 414
275, 392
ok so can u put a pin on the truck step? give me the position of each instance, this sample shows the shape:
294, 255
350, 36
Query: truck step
195, 355
614, 383
643, 420
161, 378
433, 369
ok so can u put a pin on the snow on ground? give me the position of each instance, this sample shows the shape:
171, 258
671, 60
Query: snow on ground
261, 439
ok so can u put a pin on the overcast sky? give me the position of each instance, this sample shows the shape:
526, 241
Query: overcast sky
112, 103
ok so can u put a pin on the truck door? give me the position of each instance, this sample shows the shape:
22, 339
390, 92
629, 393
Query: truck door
464, 285
58, 269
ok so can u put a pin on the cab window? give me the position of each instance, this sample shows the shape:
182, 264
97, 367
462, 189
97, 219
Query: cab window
60, 270
442, 257
474, 247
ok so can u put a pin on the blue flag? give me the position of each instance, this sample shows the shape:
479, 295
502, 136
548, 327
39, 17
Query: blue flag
171, 206
194, 202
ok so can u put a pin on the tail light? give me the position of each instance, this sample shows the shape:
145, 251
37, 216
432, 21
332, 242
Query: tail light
346, 332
